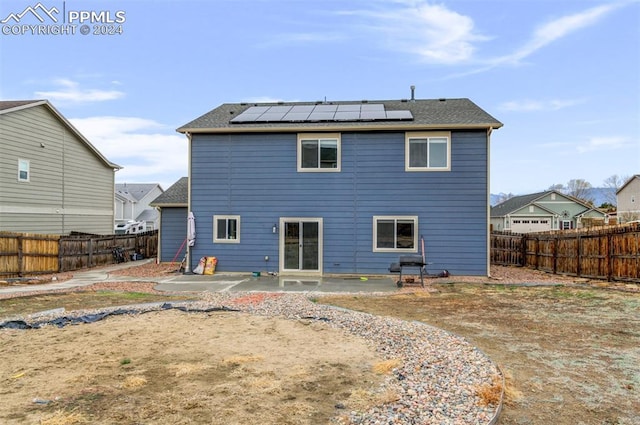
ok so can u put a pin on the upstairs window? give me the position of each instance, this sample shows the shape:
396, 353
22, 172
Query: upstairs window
428, 151
226, 228
319, 152
395, 234
23, 170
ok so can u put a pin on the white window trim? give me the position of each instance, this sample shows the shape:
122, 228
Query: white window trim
215, 228
319, 136
395, 217
426, 135
28, 163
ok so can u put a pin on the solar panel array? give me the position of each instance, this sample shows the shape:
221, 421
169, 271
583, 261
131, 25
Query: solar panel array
320, 112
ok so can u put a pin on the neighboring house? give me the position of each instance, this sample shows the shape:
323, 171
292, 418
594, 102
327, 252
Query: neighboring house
341, 187
172, 205
544, 211
628, 200
132, 203
52, 179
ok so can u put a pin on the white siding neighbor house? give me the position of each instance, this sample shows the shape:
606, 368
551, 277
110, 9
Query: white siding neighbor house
132, 203
52, 179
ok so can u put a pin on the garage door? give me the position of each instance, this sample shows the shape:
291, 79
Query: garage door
528, 225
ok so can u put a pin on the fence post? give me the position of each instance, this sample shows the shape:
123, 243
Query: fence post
579, 255
20, 256
609, 253
555, 255
90, 249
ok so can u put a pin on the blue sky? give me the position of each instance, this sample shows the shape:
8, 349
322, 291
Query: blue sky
563, 76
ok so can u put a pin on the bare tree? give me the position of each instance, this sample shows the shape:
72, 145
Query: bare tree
580, 188
613, 183
504, 197
558, 186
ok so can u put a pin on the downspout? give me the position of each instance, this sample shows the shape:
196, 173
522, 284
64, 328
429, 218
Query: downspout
64, 139
489, 130
187, 266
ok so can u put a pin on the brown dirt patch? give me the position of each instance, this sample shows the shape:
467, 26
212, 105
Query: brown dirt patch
176, 368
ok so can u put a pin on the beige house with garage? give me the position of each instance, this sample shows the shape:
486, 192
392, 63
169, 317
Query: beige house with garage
52, 179
543, 211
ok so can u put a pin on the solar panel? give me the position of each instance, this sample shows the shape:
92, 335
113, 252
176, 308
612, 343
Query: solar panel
373, 115
271, 116
320, 112
349, 108
296, 116
372, 107
347, 116
325, 108
321, 116
399, 115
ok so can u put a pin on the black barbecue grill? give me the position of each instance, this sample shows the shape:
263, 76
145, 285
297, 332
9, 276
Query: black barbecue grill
408, 261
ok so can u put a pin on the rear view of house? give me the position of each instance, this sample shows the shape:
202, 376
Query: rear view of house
52, 179
341, 187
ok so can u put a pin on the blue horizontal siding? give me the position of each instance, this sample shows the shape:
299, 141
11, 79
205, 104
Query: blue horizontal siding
255, 176
173, 225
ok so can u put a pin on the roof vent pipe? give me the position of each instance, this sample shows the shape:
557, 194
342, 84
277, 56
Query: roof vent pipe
413, 93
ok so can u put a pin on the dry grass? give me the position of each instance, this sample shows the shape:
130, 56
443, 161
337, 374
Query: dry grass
511, 394
363, 399
184, 369
490, 393
133, 382
240, 360
385, 367
60, 417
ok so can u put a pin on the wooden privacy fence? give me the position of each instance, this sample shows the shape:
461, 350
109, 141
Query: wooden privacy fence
27, 254
610, 253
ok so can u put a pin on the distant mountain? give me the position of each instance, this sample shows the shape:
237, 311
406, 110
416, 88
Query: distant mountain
600, 195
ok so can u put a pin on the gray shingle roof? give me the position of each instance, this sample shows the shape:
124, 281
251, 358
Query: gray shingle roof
427, 114
177, 195
10, 104
515, 203
135, 190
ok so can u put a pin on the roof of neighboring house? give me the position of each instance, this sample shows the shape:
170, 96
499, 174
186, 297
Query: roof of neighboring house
175, 196
636, 176
518, 202
426, 114
148, 214
8, 106
135, 191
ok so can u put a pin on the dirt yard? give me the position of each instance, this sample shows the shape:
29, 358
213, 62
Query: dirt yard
183, 368
571, 355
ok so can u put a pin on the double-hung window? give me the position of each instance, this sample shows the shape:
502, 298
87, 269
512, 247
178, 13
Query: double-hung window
319, 152
395, 234
226, 228
23, 170
428, 151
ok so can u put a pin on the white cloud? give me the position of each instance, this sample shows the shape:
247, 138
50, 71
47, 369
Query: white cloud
70, 92
432, 32
529, 105
148, 151
302, 38
603, 144
555, 30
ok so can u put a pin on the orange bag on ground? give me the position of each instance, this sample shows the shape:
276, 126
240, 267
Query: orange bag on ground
210, 265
